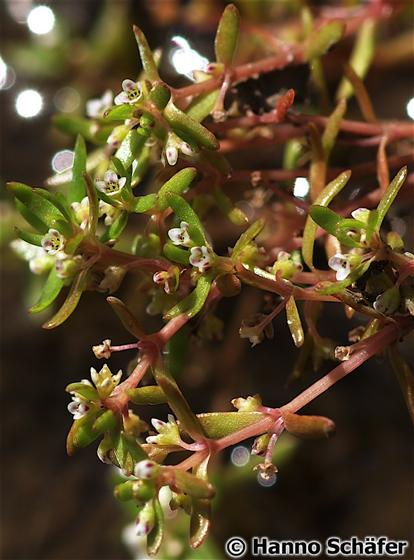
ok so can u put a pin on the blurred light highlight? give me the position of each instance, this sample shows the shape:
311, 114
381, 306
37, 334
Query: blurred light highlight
301, 187
410, 108
29, 103
185, 59
41, 20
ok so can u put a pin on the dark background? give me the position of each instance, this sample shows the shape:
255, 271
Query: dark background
52, 506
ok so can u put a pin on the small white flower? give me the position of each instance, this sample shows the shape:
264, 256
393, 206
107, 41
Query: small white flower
39, 261
131, 93
171, 153
78, 407
103, 350
180, 236
95, 108
168, 433
111, 184
81, 210
53, 242
341, 264
107, 210
173, 146
104, 381
201, 258
186, 149
146, 469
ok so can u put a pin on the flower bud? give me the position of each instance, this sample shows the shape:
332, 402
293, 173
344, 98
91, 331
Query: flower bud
260, 444
146, 470
145, 520
251, 404
388, 302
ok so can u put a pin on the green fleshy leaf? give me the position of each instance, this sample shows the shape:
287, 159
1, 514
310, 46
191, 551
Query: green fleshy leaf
74, 126
41, 207
335, 224
227, 35
193, 485
156, 535
29, 237
177, 184
81, 433
201, 107
324, 198
151, 394
220, 424
58, 200
322, 39
176, 254
225, 205
116, 228
130, 147
31, 218
86, 391
200, 521
389, 196
128, 452
294, 322
194, 302
178, 347
160, 94
70, 303
106, 421
118, 167
247, 237
332, 128
50, 292
188, 128
178, 404
361, 56
144, 203
148, 63
185, 213
126, 317
119, 113
77, 186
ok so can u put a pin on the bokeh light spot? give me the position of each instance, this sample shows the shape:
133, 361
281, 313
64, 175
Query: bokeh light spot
62, 161
240, 456
41, 20
29, 103
410, 108
301, 187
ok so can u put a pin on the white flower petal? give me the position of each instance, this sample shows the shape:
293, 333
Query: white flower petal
122, 182
100, 185
110, 176
128, 85
93, 108
171, 154
121, 98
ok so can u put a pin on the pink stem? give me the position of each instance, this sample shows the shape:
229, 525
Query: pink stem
122, 347
192, 461
373, 345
